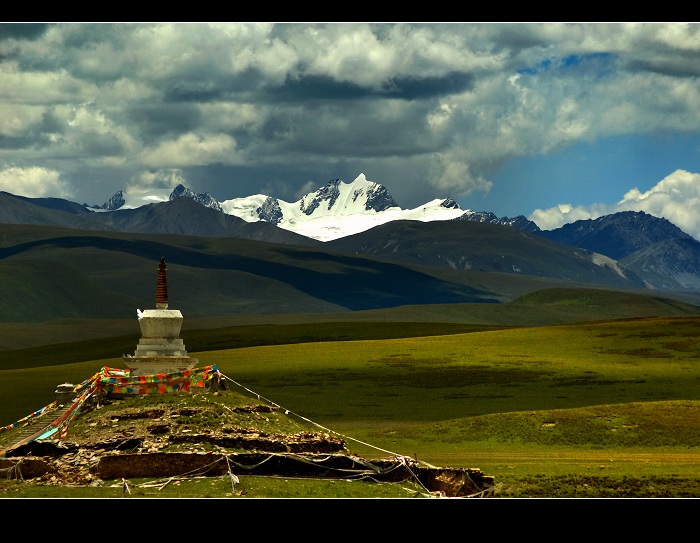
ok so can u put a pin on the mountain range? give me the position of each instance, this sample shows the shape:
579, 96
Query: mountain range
336, 210
344, 247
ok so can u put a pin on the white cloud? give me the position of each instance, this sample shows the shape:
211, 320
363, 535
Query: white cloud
42, 87
79, 130
676, 198
452, 176
223, 116
33, 182
16, 120
160, 179
191, 150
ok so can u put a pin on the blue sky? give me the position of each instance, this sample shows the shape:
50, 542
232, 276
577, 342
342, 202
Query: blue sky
586, 174
556, 122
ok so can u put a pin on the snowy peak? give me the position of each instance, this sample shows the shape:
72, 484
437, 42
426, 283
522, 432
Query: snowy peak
449, 203
379, 199
270, 211
335, 210
114, 203
340, 199
520, 222
325, 195
120, 201
204, 198
341, 209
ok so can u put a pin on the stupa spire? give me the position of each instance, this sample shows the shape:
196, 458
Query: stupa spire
160, 349
162, 288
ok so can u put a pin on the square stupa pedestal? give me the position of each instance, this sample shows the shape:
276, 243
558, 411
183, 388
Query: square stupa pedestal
155, 365
160, 349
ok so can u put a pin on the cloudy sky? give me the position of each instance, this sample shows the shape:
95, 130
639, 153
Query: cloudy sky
556, 122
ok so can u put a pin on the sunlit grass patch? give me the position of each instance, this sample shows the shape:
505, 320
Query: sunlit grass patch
598, 486
548, 404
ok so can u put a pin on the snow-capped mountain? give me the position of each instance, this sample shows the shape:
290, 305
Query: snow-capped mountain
141, 198
336, 210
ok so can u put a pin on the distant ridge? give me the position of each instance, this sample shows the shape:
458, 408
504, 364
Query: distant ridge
362, 219
617, 235
483, 247
188, 217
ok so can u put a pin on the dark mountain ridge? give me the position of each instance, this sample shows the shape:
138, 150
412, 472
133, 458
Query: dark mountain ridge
617, 235
227, 266
182, 215
187, 217
484, 247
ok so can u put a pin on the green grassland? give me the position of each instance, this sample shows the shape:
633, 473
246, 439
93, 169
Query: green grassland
595, 408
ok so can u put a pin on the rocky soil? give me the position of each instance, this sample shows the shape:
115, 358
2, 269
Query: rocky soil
162, 435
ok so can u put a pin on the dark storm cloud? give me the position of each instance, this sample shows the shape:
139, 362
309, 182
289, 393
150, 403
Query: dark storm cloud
316, 87
201, 86
160, 119
413, 88
514, 37
10, 143
266, 179
319, 87
192, 91
357, 129
38, 136
685, 67
22, 31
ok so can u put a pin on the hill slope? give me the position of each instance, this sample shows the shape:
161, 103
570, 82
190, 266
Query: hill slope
63, 273
467, 245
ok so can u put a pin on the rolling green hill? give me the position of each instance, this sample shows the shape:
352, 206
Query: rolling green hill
51, 274
57, 341
602, 408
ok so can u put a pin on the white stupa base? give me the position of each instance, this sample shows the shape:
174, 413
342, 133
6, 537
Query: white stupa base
154, 365
160, 346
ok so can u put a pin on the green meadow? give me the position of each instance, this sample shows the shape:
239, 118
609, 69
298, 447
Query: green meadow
606, 408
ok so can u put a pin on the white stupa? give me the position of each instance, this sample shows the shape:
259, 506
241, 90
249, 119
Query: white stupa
160, 349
